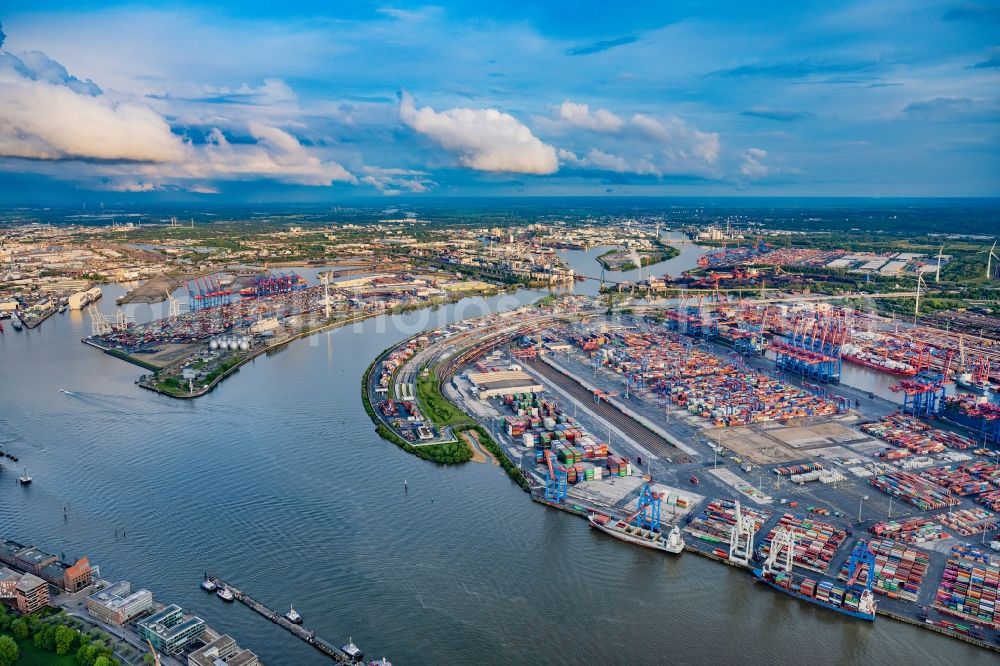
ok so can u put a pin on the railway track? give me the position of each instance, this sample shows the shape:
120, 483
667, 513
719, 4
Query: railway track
639, 433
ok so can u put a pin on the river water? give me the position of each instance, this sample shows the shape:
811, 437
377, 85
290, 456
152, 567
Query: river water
277, 482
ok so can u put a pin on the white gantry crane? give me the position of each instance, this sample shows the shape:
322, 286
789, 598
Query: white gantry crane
99, 323
174, 306
779, 557
326, 293
741, 538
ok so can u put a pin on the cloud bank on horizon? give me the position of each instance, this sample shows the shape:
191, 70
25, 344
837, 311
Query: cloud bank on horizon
868, 98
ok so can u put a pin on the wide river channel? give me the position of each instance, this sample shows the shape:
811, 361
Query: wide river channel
277, 482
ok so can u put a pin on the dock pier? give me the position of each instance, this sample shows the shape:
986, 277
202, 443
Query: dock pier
310, 637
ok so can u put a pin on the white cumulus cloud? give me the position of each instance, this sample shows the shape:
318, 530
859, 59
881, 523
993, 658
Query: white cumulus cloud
680, 139
596, 158
753, 165
579, 115
43, 120
483, 139
392, 181
69, 129
643, 145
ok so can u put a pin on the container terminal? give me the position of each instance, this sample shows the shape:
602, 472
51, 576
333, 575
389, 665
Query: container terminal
231, 319
819, 490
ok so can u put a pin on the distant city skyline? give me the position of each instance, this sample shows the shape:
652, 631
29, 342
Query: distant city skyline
239, 101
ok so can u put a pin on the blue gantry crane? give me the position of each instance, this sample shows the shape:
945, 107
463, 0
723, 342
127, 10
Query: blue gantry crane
647, 513
861, 556
555, 484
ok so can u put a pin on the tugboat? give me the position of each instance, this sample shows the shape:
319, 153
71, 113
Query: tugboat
353, 651
25, 480
225, 595
208, 584
293, 616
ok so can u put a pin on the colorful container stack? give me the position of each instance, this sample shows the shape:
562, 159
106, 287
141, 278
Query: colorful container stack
899, 570
966, 479
706, 385
540, 423
990, 500
816, 543
915, 436
714, 524
914, 490
969, 588
969, 521
912, 530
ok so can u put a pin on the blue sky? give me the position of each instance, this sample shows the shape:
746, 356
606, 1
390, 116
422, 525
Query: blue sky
242, 100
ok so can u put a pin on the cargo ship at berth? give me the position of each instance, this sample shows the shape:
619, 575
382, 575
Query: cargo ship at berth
851, 598
968, 382
825, 594
859, 356
672, 542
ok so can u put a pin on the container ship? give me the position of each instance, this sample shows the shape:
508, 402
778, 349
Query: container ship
671, 542
846, 599
863, 357
967, 381
825, 593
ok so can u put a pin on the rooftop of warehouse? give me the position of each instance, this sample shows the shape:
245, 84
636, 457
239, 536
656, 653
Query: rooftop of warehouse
10, 547
33, 556
507, 383
493, 378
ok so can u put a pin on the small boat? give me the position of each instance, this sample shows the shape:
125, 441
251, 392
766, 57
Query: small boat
25, 480
353, 651
380, 662
208, 584
16, 323
225, 594
695, 480
62, 308
292, 616
671, 542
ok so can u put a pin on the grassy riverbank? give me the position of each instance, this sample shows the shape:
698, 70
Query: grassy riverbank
454, 453
438, 408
